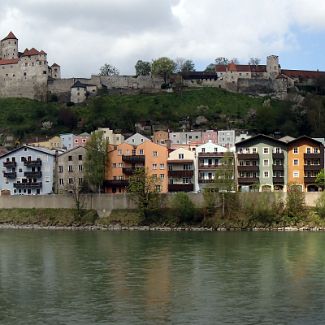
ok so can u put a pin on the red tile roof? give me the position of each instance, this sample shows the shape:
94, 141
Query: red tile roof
55, 65
240, 68
30, 52
9, 61
304, 74
42, 52
10, 36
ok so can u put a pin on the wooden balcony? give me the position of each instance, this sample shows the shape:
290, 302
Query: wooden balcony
134, 159
180, 173
33, 163
180, 187
9, 164
206, 181
313, 156
211, 166
278, 155
10, 175
310, 179
37, 174
248, 180
28, 185
248, 168
316, 168
248, 156
278, 180
116, 183
279, 168
211, 154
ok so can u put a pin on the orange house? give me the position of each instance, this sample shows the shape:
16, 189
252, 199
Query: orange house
305, 161
123, 159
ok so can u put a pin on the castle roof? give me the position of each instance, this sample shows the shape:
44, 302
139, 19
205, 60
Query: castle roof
240, 67
55, 65
11, 35
78, 84
31, 52
42, 52
303, 74
9, 61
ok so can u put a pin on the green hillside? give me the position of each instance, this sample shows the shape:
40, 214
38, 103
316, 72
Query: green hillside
24, 118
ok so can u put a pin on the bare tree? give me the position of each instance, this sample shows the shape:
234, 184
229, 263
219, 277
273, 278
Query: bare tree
254, 61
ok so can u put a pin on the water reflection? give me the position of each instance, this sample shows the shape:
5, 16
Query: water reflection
158, 278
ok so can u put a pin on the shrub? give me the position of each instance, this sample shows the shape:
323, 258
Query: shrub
320, 206
183, 207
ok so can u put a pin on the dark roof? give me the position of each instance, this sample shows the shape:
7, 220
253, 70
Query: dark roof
199, 75
78, 84
305, 74
261, 136
55, 65
11, 35
307, 138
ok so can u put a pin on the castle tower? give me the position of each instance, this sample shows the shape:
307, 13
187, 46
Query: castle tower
272, 66
9, 47
55, 71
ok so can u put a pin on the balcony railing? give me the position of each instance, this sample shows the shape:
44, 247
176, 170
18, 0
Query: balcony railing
180, 173
278, 155
33, 163
248, 156
11, 175
211, 154
116, 183
206, 181
134, 159
211, 166
312, 167
180, 187
278, 180
37, 174
9, 164
279, 168
248, 180
313, 156
310, 179
248, 168
28, 185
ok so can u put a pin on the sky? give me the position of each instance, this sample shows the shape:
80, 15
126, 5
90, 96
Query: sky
83, 35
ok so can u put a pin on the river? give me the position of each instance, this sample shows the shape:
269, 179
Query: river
66, 277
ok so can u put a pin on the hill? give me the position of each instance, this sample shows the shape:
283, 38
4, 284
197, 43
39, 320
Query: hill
220, 109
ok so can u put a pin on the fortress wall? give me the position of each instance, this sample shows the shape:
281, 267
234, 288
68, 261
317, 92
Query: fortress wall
255, 86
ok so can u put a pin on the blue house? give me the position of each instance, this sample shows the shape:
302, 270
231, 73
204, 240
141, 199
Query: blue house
27, 171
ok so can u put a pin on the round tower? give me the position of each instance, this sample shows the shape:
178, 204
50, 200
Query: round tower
9, 47
272, 66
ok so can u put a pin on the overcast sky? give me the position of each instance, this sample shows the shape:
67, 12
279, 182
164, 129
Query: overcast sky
82, 35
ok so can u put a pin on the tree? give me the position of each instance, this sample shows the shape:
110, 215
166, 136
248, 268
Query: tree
295, 203
221, 61
144, 190
184, 208
142, 68
234, 60
254, 61
163, 67
96, 159
183, 65
108, 70
210, 68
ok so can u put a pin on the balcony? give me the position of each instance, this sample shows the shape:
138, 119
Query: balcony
134, 159
313, 156
278, 155
248, 180
278, 180
180, 187
37, 174
279, 168
316, 168
211, 154
9, 164
310, 179
28, 185
248, 156
248, 168
11, 175
33, 163
116, 183
180, 173
206, 181
211, 166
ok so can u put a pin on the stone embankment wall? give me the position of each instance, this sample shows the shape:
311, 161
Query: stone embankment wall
104, 203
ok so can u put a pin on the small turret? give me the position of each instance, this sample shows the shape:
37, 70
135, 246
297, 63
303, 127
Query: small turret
9, 47
56, 71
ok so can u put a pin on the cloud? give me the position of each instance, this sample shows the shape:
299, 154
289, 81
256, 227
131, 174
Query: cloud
83, 35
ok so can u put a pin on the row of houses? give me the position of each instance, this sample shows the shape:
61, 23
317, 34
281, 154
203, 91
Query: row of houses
259, 163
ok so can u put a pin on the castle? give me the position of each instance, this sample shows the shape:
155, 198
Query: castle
24, 74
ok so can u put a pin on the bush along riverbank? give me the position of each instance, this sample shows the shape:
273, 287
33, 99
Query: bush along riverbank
220, 211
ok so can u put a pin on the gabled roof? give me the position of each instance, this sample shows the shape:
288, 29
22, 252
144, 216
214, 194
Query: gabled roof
306, 138
30, 52
42, 150
42, 52
55, 65
259, 136
70, 150
11, 35
78, 84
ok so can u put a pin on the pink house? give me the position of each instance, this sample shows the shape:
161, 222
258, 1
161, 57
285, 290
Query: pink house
210, 136
81, 139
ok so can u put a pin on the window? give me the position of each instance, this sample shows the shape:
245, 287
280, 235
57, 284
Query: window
154, 166
114, 165
315, 150
155, 153
181, 156
265, 150
154, 176
296, 162
119, 152
80, 181
141, 152
186, 180
265, 162
80, 168
162, 176
308, 150
295, 174
80, 157
70, 169
70, 181
162, 166
158, 188
266, 174
70, 158
203, 150
295, 150
60, 169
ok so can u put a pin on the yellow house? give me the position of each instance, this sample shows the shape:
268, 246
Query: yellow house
52, 143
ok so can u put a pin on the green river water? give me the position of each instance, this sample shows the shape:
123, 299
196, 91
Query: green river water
66, 277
